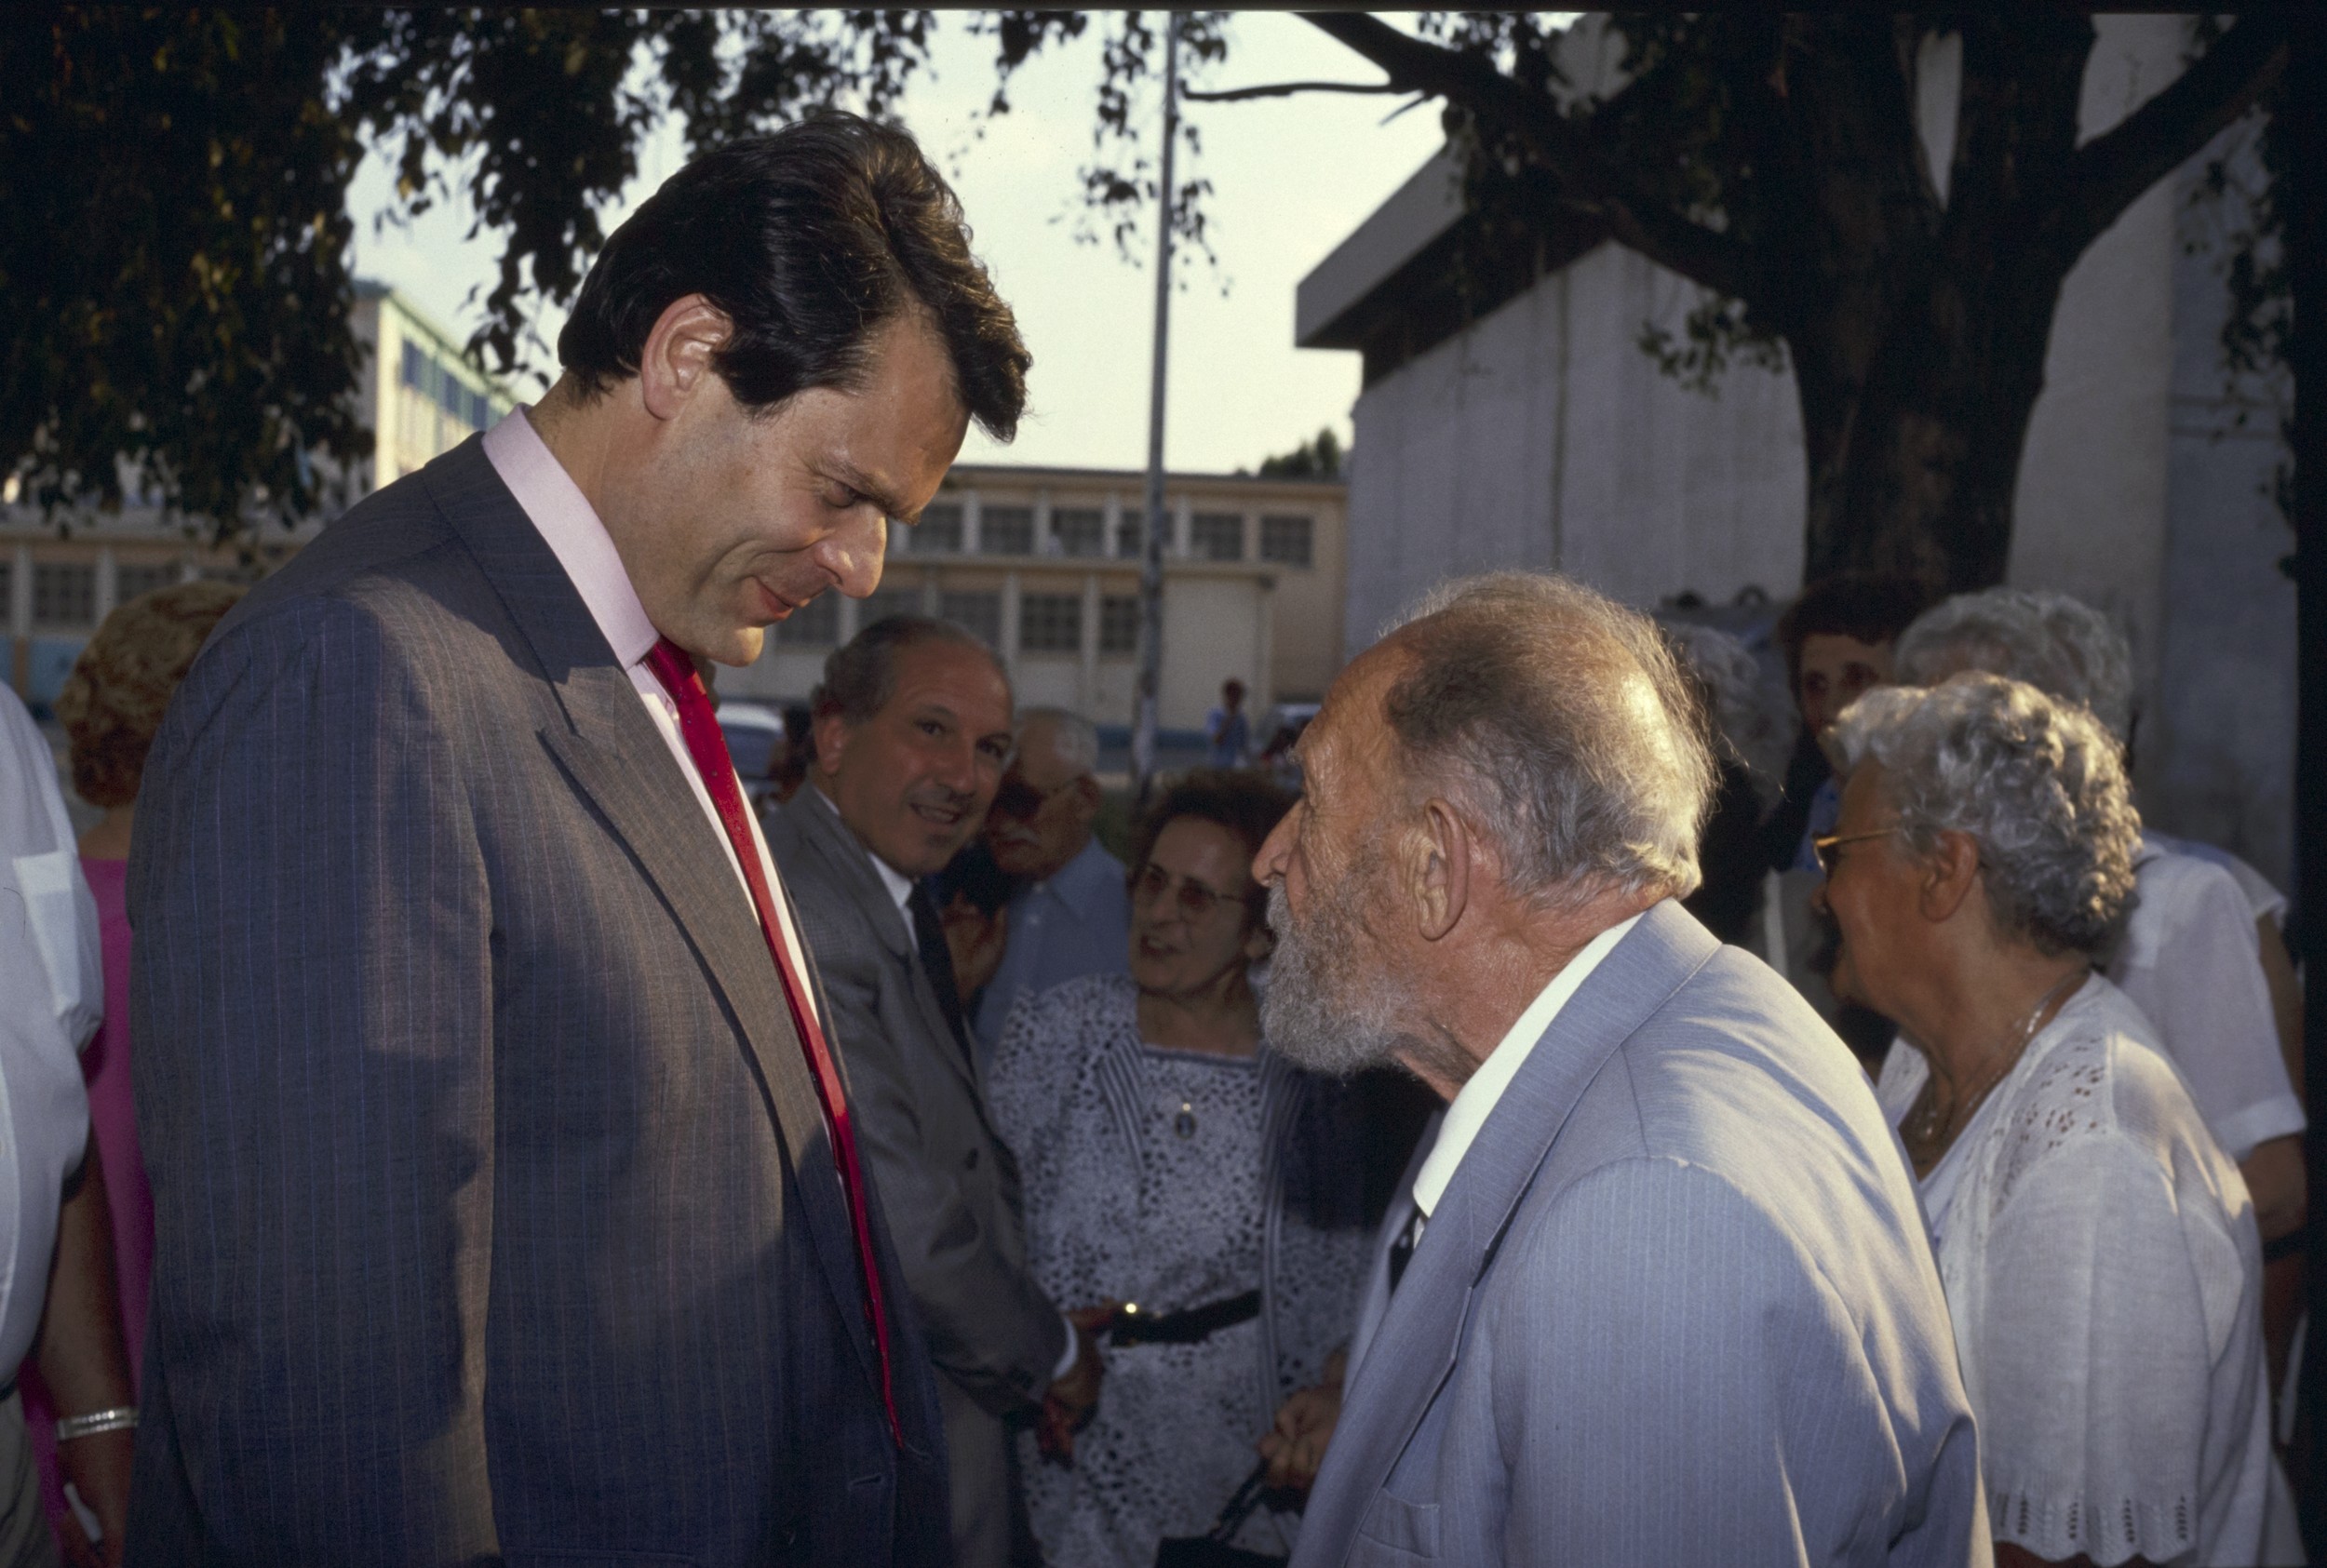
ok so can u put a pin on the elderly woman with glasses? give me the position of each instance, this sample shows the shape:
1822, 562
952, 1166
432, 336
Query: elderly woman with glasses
1201, 1196
2098, 1248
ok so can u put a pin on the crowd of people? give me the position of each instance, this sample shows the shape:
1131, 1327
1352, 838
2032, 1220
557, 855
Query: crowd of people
1848, 1134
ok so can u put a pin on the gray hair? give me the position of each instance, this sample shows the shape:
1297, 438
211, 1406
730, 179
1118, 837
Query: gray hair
1565, 728
2035, 783
1752, 717
1074, 739
2057, 643
861, 675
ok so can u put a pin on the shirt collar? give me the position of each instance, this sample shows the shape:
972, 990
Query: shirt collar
571, 527
1477, 1099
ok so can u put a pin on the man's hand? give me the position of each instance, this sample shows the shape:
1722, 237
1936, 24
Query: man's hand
975, 940
1295, 1447
1067, 1405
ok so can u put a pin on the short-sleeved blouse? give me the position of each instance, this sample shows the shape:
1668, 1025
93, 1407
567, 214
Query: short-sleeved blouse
2104, 1273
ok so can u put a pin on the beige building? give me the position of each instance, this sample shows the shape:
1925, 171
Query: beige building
1043, 564
421, 397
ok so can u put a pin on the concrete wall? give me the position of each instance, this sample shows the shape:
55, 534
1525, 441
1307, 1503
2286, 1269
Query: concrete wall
1542, 437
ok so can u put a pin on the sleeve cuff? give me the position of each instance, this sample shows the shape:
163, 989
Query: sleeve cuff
1067, 1357
2243, 1131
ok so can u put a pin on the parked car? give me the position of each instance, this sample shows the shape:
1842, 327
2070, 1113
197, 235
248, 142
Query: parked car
754, 740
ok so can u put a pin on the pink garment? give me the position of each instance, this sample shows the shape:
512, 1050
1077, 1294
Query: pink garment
105, 1067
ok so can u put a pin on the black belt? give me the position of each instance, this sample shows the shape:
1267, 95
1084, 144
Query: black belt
1191, 1325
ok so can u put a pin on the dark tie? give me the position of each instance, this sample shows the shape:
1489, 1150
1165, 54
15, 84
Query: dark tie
929, 936
708, 747
1402, 1249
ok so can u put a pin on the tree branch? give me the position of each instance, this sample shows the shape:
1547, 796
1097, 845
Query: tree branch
1593, 181
2110, 172
1281, 89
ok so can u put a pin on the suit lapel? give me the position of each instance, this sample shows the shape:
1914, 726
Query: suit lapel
617, 760
852, 862
1391, 1393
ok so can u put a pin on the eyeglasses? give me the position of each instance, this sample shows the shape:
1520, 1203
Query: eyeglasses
1021, 801
1824, 849
1191, 898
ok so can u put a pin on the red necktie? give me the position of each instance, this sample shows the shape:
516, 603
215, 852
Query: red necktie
708, 747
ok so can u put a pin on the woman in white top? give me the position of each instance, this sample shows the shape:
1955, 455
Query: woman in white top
2098, 1248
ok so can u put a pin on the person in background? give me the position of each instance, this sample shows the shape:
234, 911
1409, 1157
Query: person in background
55, 1229
1837, 638
912, 735
1610, 1328
111, 705
1071, 916
1226, 730
2190, 959
1176, 1163
798, 753
2103, 1270
1751, 743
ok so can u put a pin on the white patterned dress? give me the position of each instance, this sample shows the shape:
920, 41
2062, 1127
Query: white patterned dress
1173, 1179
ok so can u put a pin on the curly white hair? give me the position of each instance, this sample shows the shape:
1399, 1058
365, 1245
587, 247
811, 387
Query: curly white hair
2035, 780
2058, 644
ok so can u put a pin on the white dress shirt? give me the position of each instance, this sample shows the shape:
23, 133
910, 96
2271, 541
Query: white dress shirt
1476, 1100
571, 528
51, 992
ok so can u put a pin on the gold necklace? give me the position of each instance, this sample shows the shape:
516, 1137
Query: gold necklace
1929, 1127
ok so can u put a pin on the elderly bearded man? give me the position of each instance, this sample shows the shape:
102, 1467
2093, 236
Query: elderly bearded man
1662, 1294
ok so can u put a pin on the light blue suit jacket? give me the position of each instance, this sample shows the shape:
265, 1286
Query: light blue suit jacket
1676, 1306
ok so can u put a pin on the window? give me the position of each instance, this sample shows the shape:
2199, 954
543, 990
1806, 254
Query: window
1128, 531
64, 593
813, 624
1288, 541
1050, 624
134, 577
1007, 530
1119, 623
975, 613
415, 367
1216, 536
939, 532
887, 602
7, 592
1080, 531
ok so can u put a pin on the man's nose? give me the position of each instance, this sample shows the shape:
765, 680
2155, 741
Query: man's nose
854, 551
1269, 864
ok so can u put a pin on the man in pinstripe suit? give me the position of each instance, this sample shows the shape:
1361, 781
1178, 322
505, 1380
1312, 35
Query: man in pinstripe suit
508, 1200
1660, 1291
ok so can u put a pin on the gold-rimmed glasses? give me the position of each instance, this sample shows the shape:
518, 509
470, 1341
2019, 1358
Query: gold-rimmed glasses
1823, 848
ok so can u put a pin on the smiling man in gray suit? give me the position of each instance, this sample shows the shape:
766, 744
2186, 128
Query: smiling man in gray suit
1662, 1293
509, 1203
912, 734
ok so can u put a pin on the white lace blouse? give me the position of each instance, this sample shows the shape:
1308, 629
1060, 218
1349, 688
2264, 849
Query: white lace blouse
2103, 1270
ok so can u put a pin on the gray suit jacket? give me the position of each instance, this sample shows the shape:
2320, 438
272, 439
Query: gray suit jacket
950, 1183
496, 1216
1676, 1306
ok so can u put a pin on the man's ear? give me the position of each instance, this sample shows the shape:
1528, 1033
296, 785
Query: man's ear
1087, 799
1439, 872
832, 735
677, 358
1948, 876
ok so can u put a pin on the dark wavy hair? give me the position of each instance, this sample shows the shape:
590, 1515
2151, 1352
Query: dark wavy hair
810, 239
1863, 606
1250, 805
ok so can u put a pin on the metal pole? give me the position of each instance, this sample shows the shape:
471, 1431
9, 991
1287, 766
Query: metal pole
1151, 543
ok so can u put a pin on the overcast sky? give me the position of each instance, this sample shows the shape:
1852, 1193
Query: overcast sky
1291, 178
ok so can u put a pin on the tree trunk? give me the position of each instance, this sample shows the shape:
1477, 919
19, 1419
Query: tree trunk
1914, 441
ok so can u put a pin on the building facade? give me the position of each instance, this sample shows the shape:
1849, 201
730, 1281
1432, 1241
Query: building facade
1043, 563
420, 396
1533, 431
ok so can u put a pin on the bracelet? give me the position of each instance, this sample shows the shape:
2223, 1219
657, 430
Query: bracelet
96, 1421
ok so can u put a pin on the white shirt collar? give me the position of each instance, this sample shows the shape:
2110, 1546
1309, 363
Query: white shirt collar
1477, 1099
575, 534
